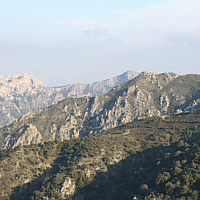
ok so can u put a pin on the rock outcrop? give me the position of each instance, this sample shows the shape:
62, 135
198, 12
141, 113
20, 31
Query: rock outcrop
145, 96
68, 188
27, 136
23, 93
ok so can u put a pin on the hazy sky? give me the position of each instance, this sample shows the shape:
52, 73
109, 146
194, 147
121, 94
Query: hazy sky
63, 41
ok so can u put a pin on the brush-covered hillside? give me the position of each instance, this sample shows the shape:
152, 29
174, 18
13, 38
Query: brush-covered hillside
144, 96
153, 158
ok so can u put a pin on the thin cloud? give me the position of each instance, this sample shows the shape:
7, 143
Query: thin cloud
123, 13
184, 39
69, 80
97, 31
196, 33
171, 15
77, 23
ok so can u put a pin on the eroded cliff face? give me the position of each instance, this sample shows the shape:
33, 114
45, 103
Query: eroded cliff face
23, 93
28, 135
146, 95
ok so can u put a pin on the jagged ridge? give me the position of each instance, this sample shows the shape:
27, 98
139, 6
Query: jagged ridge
24, 93
146, 95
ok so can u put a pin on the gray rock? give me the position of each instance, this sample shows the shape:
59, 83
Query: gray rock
68, 188
23, 93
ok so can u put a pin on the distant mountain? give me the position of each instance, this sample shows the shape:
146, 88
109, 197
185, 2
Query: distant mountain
154, 158
144, 96
23, 93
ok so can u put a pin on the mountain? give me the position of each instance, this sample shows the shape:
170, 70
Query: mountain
144, 96
23, 93
149, 159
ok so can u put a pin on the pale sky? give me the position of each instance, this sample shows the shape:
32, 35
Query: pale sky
61, 42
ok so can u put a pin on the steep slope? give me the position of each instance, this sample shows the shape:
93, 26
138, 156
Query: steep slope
153, 158
144, 96
23, 93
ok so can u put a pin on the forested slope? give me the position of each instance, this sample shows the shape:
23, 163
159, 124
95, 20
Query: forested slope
152, 158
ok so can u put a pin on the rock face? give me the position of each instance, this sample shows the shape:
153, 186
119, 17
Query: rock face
27, 136
144, 96
68, 188
23, 93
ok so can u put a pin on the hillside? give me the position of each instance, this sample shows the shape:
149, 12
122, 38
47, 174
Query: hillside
144, 96
23, 93
152, 158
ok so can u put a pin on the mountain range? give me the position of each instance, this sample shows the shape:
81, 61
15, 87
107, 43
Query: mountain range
20, 94
146, 95
138, 141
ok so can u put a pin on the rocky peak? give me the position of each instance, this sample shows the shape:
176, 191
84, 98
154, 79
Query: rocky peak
167, 76
147, 76
17, 85
170, 76
20, 81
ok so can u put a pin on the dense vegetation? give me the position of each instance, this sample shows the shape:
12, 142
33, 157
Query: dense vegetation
153, 158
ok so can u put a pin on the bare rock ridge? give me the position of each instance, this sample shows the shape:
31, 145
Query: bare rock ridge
146, 95
23, 93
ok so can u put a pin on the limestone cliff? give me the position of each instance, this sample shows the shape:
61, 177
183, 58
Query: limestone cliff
23, 93
144, 96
